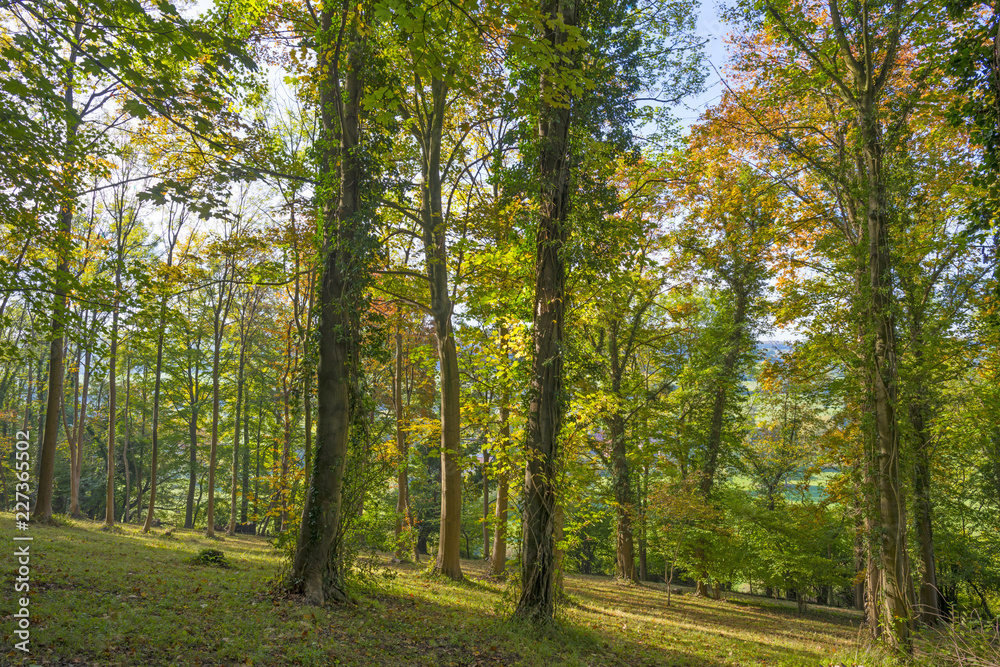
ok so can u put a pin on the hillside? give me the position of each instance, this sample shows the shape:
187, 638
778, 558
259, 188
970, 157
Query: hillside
127, 599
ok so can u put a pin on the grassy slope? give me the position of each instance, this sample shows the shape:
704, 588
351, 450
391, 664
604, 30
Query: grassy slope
128, 599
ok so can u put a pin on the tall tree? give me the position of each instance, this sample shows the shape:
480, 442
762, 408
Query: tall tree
546, 403
175, 218
317, 569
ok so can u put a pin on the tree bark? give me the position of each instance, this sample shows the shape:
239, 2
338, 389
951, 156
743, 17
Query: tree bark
192, 465
315, 568
47, 455
402, 446
434, 232
221, 314
154, 461
892, 507
231, 530
498, 559
930, 597
125, 438
486, 506
76, 448
245, 505
624, 540
546, 404
109, 516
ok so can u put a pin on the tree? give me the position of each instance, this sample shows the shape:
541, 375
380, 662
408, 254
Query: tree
89, 50
317, 570
731, 228
124, 218
546, 400
176, 216
857, 51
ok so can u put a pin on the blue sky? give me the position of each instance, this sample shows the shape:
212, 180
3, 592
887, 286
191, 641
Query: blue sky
710, 28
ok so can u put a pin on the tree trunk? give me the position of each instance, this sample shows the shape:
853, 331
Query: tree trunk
714, 443
624, 541
192, 465
402, 447
47, 455
486, 506
231, 530
498, 559
79, 426
315, 566
283, 491
930, 598
546, 398
448, 562
256, 479
436, 256
71, 431
125, 443
643, 570
156, 419
245, 505
109, 516
221, 313
928, 604
307, 408
892, 507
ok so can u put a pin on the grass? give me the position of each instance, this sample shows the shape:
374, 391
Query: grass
143, 600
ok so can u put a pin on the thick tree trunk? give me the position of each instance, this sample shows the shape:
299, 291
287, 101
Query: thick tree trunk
316, 568
892, 508
50, 431
448, 558
546, 398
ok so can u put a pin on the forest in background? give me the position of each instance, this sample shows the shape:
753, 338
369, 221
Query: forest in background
447, 280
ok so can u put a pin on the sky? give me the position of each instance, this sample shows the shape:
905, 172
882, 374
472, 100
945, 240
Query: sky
711, 29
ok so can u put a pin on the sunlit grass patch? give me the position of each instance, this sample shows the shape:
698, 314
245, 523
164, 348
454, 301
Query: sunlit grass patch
136, 599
